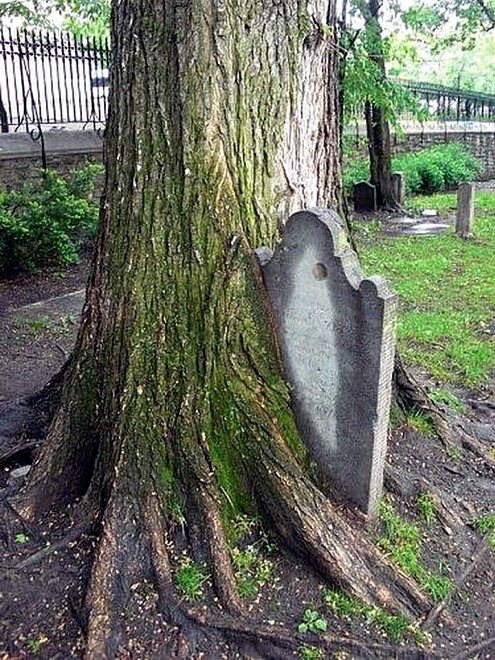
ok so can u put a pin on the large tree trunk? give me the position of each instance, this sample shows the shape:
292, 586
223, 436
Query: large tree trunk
223, 120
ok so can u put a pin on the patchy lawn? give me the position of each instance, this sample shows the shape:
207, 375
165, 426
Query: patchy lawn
446, 285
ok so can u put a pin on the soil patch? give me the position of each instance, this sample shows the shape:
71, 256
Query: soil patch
41, 610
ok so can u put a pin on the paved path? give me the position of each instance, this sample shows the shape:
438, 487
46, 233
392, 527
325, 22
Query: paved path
35, 341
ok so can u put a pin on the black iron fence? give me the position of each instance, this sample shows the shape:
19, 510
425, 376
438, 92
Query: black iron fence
451, 104
58, 79
52, 79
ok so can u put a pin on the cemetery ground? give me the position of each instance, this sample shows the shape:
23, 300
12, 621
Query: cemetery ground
437, 517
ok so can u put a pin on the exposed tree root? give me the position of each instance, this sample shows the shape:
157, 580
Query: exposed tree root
281, 637
205, 525
446, 509
37, 556
474, 650
122, 556
21, 454
411, 397
477, 448
309, 524
481, 552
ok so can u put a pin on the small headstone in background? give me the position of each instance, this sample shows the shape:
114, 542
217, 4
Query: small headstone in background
365, 197
429, 213
465, 210
399, 187
336, 332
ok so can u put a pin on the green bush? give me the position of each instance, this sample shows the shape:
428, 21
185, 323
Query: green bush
431, 170
45, 222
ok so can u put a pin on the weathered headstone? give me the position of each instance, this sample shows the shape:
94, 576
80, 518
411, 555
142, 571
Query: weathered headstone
365, 197
399, 187
465, 210
337, 338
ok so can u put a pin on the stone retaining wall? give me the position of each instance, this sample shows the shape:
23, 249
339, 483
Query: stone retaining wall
21, 159
481, 145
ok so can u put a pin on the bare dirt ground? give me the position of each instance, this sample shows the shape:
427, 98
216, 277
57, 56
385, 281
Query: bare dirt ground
43, 571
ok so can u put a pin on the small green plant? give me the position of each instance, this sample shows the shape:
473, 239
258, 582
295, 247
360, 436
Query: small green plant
176, 513
21, 538
36, 644
37, 326
396, 627
341, 604
441, 395
191, 579
241, 526
66, 322
252, 569
312, 622
426, 508
486, 525
420, 422
454, 453
307, 652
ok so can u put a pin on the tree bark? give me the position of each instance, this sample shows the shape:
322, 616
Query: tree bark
377, 127
223, 120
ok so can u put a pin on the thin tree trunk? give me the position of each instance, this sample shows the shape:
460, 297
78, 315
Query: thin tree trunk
377, 127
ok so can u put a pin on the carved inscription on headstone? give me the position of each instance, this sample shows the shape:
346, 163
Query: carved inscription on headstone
336, 333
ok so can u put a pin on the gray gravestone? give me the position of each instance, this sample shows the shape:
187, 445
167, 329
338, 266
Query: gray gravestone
365, 197
465, 210
399, 187
336, 333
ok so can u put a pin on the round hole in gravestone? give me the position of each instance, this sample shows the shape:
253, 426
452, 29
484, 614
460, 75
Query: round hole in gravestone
320, 271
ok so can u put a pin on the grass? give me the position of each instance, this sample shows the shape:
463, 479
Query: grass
426, 508
420, 422
446, 288
395, 627
442, 395
250, 550
307, 652
191, 579
401, 541
486, 526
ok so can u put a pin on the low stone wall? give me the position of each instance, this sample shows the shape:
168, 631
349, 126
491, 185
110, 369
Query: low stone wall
21, 158
481, 145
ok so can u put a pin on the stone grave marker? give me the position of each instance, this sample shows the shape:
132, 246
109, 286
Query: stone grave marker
336, 332
465, 210
365, 197
399, 187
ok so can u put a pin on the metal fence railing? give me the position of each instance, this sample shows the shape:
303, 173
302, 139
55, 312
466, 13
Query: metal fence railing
52, 79
452, 104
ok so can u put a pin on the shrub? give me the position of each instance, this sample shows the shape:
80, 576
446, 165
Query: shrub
45, 222
427, 171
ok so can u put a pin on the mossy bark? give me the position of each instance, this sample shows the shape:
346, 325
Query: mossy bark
223, 120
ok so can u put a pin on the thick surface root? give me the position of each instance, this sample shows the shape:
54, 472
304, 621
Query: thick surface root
311, 525
411, 397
